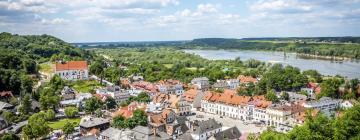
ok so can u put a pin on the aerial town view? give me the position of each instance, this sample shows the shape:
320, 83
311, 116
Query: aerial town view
179, 70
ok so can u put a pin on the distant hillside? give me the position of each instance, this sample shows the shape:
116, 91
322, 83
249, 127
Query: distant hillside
39, 47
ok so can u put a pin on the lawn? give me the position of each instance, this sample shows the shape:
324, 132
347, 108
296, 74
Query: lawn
194, 68
60, 123
168, 65
85, 86
45, 67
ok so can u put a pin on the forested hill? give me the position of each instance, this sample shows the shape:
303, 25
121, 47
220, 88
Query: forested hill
339, 47
39, 47
21, 54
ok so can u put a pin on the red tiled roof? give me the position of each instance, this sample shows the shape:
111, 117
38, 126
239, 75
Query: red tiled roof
190, 95
5, 93
247, 79
71, 65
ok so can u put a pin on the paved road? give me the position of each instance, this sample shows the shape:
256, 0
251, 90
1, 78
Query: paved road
229, 122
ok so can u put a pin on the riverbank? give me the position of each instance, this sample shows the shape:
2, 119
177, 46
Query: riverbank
332, 58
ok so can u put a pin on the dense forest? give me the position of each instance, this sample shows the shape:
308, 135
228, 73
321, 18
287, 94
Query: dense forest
21, 54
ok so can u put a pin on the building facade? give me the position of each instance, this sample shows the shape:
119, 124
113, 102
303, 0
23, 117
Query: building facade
72, 70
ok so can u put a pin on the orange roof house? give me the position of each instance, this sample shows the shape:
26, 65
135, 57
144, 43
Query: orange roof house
71, 65
228, 97
190, 95
247, 79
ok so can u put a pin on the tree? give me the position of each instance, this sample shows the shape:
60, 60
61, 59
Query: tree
8, 116
140, 117
119, 122
110, 103
37, 126
271, 96
92, 104
9, 136
25, 107
68, 128
270, 134
330, 87
71, 112
50, 115
251, 136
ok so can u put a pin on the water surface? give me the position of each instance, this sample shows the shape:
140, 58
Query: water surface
349, 69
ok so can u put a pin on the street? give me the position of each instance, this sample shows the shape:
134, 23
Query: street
229, 122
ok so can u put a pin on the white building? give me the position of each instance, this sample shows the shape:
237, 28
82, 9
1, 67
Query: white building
201, 83
170, 87
229, 104
325, 104
233, 83
72, 70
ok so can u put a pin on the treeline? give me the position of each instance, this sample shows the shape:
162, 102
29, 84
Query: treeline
348, 39
303, 47
20, 54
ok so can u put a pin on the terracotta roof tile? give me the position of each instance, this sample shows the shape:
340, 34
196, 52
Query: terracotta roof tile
247, 79
71, 65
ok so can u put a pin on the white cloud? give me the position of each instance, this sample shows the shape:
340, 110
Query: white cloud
55, 21
286, 6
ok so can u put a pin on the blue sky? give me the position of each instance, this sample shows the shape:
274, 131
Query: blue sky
145, 20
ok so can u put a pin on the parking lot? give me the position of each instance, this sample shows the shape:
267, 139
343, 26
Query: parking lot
229, 122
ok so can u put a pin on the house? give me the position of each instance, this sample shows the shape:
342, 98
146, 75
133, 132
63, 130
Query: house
202, 130
165, 122
144, 87
247, 79
115, 92
201, 83
67, 93
220, 84
78, 101
325, 104
233, 83
227, 104
127, 111
147, 133
5, 95
346, 104
175, 102
114, 134
170, 87
281, 115
256, 109
301, 116
92, 124
72, 70
5, 106
297, 98
232, 133
312, 89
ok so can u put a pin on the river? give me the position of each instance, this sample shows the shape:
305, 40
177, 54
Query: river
349, 69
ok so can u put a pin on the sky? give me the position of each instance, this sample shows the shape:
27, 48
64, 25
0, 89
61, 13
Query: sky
161, 20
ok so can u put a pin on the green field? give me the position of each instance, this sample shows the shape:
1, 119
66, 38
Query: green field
85, 86
60, 123
45, 67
